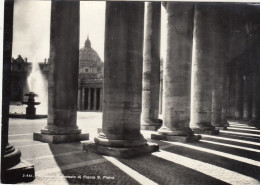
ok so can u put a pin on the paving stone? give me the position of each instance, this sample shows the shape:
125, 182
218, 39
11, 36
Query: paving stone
165, 173
63, 160
103, 173
46, 157
224, 162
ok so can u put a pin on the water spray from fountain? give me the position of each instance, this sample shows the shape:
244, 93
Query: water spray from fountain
38, 84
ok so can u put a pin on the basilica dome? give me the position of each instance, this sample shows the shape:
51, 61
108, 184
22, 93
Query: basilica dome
90, 63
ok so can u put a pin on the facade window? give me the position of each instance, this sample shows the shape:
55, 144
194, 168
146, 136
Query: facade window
87, 70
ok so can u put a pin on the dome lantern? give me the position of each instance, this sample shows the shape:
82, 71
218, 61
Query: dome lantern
87, 43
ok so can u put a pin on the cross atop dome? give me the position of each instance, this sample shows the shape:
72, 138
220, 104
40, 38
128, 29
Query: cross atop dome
87, 43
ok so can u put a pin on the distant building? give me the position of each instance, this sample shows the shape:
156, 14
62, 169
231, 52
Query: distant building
20, 70
90, 81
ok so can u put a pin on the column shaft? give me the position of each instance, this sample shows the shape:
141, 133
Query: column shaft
248, 79
63, 61
151, 67
232, 91
256, 97
83, 102
239, 92
160, 97
12, 167
101, 99
219, 48
7, 57
123, 81
247, 107
62, 88
95, 99
79, 99
225, 96
201, 81
177, 69
217, 94
123, 74
89, 99
256, 84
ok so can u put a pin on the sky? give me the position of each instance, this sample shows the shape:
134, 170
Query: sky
31, 36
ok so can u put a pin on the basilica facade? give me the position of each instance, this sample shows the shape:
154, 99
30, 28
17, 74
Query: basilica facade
90, 79
21, 69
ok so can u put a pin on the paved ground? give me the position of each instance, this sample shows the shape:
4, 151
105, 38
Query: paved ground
233, 157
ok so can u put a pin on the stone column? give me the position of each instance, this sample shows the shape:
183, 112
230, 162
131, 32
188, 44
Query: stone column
248, 77
256, 98
225, 97
151, 67
83, 102
239, 92
95, 99
62, 88
201, 80
101, 99
231, 90
89, 99
217, 95
177, 73
218, 38
247, 107
79, 99
256, 85
13, 167
120, 136
226, 70
160, 98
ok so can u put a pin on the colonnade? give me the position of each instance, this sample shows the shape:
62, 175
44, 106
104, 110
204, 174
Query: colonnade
204, 80
195, 76
90, 98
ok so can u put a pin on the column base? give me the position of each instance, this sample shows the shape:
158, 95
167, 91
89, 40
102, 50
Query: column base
99, 130
184, 131
226, 123
246, 119
15, 170
121, 152
22, 172
220, 126
62, 138
204, 128
206, 131
254, 123
11, 157
238, 118
103, 140
151, 125
182, 139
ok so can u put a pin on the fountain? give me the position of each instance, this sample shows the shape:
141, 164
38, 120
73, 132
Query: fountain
38, 87
30, 109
